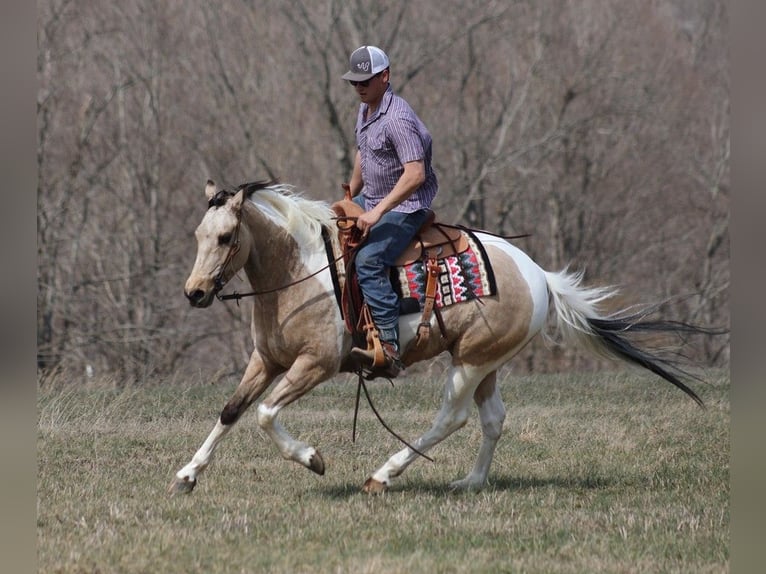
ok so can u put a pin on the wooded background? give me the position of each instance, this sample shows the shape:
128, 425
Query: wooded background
600, 127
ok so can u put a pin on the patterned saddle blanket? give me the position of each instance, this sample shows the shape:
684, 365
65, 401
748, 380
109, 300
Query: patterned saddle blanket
463, 276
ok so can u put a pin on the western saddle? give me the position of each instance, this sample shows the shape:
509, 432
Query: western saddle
432, 242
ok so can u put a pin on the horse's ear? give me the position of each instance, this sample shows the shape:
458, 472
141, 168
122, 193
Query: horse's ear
210, 189
236, 201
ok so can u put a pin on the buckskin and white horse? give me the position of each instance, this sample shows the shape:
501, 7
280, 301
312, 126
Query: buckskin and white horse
276, 236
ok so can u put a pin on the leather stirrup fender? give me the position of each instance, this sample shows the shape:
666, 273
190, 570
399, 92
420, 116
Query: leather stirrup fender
432, 274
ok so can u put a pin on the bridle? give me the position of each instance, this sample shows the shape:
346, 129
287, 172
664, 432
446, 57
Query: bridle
234, 245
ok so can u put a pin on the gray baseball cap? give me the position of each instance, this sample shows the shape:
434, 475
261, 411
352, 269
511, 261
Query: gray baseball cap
365, 62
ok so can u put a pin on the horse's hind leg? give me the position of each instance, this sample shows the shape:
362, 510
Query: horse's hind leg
492, 415
461, 383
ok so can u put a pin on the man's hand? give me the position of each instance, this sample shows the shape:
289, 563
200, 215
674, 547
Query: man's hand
367, 220
412, 178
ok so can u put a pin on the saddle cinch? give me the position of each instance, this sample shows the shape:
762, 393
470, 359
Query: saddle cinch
432, 242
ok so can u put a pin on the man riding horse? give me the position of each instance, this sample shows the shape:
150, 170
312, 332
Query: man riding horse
394, 182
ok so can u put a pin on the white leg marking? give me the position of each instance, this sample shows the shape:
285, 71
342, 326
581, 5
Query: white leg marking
289, 448
204, 455
461, 383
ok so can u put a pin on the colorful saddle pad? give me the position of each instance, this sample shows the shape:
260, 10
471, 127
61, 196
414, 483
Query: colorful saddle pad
462, 277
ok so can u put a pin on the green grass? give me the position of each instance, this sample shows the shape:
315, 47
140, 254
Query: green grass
608, 472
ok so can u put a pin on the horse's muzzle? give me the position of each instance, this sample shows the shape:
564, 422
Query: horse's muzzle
199, 298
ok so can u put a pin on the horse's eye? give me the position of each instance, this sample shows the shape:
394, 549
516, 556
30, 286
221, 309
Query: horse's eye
224, 239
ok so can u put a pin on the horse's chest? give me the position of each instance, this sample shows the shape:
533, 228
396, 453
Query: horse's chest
284, 333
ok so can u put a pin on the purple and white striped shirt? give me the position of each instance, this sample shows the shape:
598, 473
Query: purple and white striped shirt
390, 138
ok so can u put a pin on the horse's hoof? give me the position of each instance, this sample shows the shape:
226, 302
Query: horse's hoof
181, 486
372, 486
467, 485
316, 463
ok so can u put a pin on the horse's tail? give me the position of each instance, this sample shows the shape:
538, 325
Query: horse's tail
579, 320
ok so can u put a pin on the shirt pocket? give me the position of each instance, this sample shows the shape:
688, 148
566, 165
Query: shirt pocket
381, 150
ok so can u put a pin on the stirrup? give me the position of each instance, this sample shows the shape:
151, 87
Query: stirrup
389, 365
373, 358
374, 352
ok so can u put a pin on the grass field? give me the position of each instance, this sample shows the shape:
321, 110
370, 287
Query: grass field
608, 472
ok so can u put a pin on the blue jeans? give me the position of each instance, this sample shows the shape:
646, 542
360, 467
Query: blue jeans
387, 239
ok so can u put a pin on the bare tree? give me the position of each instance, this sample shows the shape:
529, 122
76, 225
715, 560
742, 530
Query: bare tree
602, 129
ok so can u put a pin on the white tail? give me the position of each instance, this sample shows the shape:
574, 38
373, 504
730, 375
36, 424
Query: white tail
580, 320
576, 306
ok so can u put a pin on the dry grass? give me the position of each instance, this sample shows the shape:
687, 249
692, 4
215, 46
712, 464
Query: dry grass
597, 473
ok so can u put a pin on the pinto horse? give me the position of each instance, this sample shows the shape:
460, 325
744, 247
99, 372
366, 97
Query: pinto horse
276, 236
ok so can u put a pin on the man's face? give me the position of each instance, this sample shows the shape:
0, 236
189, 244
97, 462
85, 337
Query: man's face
373, 91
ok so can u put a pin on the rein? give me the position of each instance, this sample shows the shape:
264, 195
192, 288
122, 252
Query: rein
484, 231
234, 249
361, 386
238, 296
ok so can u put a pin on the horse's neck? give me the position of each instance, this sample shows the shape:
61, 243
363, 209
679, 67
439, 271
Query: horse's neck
275, 258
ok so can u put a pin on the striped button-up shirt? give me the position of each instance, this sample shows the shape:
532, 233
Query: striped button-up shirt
391, 137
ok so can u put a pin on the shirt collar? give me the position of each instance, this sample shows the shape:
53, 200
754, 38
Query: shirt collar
385, 103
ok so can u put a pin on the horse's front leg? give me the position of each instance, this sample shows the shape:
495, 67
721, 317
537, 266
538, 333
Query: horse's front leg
305, 373
255, 380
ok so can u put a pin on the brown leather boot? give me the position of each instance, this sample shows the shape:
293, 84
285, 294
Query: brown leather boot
393, 363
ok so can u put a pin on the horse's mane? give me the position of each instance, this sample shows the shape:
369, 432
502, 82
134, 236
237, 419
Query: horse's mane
282, 203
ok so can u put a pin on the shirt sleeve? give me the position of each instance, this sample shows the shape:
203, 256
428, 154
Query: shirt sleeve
405, 137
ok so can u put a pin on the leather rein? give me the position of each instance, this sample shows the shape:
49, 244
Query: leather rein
234, 249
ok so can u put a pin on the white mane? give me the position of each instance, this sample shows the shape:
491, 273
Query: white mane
300, 217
